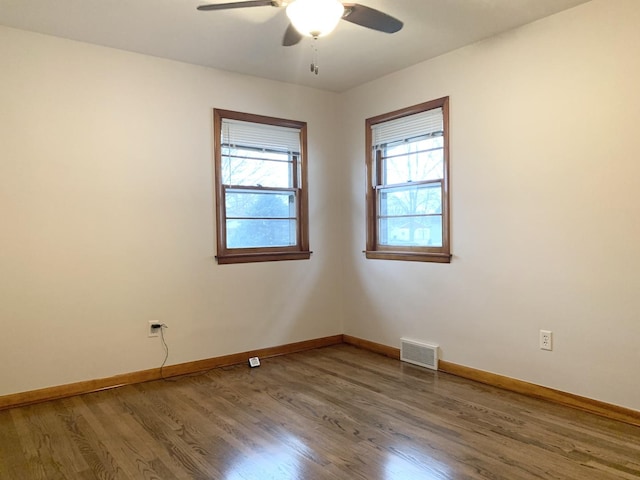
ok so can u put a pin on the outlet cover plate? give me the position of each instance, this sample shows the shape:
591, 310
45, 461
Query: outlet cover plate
254, 362
546, 340
153, 332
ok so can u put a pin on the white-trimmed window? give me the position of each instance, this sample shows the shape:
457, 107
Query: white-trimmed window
260, 188
408, 191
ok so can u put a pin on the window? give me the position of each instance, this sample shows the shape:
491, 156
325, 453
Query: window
261, 189
408, 192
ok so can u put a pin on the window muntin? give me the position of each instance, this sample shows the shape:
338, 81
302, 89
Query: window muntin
407, 200
261, 191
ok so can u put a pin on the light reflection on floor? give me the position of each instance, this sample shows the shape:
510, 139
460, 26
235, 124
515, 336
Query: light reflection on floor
265, 465
400, 468
278, 462
286, 458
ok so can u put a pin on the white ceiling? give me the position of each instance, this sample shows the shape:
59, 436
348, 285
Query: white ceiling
248, 40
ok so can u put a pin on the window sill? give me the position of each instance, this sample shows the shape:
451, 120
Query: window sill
409, 256
262, 257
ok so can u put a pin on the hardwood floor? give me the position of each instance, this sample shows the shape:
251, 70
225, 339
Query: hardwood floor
332, 413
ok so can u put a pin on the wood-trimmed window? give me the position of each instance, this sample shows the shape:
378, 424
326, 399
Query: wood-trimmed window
261, 188
407, 176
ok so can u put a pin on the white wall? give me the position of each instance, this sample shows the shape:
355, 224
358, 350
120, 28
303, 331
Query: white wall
106, 205
545, 206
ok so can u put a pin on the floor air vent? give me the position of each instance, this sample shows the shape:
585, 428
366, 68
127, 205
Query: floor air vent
423, 354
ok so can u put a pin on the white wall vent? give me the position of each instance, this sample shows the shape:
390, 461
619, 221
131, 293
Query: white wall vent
419, 353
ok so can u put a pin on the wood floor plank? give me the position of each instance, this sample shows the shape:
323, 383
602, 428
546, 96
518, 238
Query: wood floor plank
125, 405
332, 413
418, 429
186, 454
50, 451
11, 449
420, 426
133, 458
553, 440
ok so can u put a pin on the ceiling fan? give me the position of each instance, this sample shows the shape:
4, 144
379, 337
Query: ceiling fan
316, 18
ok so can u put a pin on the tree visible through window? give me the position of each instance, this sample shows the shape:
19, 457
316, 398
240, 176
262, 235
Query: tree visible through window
260, 188
407, 197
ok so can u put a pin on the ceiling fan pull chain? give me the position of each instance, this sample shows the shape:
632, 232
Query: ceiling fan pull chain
314, 58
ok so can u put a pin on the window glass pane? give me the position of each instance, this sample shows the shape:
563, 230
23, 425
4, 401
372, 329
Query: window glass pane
263, 204
251, 168
411, 231
411, 200
413, 161
260, 233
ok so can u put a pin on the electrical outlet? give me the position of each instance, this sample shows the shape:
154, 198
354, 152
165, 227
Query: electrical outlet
154, 332
254, 362
546, 340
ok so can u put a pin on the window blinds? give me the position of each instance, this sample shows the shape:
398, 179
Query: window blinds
406, 128
237, 133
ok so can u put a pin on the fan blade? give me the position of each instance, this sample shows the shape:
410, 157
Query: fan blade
227, 6
370, 18
291, 36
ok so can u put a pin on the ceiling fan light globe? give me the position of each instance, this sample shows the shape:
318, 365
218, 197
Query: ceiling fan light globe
315, 18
